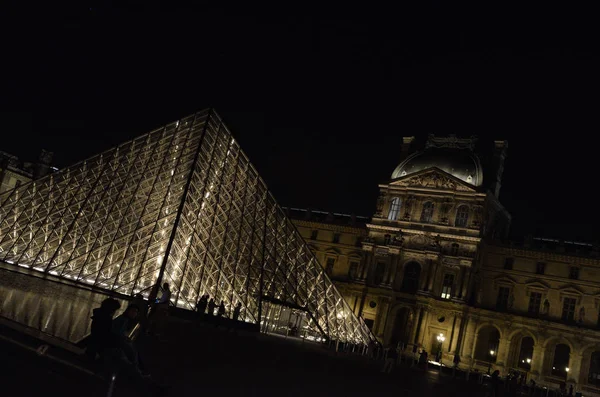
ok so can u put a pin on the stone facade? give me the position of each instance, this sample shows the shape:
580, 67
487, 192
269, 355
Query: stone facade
434, 260
14, 173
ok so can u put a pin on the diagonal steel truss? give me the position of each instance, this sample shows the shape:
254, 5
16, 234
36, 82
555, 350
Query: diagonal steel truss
181, 204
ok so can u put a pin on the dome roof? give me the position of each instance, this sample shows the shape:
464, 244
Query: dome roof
461, 163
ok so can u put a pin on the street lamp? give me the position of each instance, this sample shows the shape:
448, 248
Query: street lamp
492, 354
440, 338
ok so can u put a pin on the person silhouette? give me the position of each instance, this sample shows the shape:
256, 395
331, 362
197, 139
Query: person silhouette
236, 311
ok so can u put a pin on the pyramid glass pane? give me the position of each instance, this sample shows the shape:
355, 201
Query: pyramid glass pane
183, 205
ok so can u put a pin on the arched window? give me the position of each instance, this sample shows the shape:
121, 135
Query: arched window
487, 342
410, 281
560, 361
462, 216
427, 212
394, 209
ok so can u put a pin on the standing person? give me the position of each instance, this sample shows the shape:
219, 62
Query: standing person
108, 344
122, 326
495, 381
220, 313
236, 311
390, 360
159, 318
211, 307
201, 306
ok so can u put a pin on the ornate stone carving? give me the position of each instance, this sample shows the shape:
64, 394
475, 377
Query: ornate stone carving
434, 180
451, 141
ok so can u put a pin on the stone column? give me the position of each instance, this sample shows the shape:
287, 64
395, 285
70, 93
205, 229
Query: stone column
433, 267
381, 316
414, 335
466, 282
393, 270
537, 361
469, 341
366, 266
502, 354
462, 286
453, 347
575, 360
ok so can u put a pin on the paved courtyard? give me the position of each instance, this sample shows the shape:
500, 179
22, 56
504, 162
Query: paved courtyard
196, 360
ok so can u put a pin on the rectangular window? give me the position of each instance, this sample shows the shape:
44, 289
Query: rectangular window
329, 266
574, 273
336, 238
508, 263
568, 313
17, 183
540, 268
535, 299
447, 286
314, 234
369, 323
502, 300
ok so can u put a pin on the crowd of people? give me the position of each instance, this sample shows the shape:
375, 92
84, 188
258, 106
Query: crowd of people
113, 341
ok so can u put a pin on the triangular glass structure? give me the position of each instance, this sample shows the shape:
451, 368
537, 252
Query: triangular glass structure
181, 204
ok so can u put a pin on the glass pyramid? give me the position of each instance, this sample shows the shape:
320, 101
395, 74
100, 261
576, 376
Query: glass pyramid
182, 205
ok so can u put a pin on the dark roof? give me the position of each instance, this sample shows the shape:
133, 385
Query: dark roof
461, 163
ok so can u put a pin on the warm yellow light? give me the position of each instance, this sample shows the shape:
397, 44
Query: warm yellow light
492, 352
528, 361
567, 369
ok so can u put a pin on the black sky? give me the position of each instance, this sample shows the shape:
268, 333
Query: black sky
320, 98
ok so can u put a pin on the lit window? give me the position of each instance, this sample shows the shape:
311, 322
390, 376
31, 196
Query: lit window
394, 209
447, 286
462, 216
427, 212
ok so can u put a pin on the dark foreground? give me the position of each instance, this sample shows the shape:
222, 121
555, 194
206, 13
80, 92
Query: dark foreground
201, 360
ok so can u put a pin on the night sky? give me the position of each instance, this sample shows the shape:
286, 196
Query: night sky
319, 98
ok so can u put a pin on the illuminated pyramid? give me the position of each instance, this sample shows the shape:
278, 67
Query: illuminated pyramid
184, 205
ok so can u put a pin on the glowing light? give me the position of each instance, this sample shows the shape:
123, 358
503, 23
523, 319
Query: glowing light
492, 352
567, 369
11, 262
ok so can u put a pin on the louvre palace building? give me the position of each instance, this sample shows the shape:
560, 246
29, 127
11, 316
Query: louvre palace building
432, 269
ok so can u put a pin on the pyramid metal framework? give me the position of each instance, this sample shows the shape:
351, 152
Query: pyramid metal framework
182, 204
